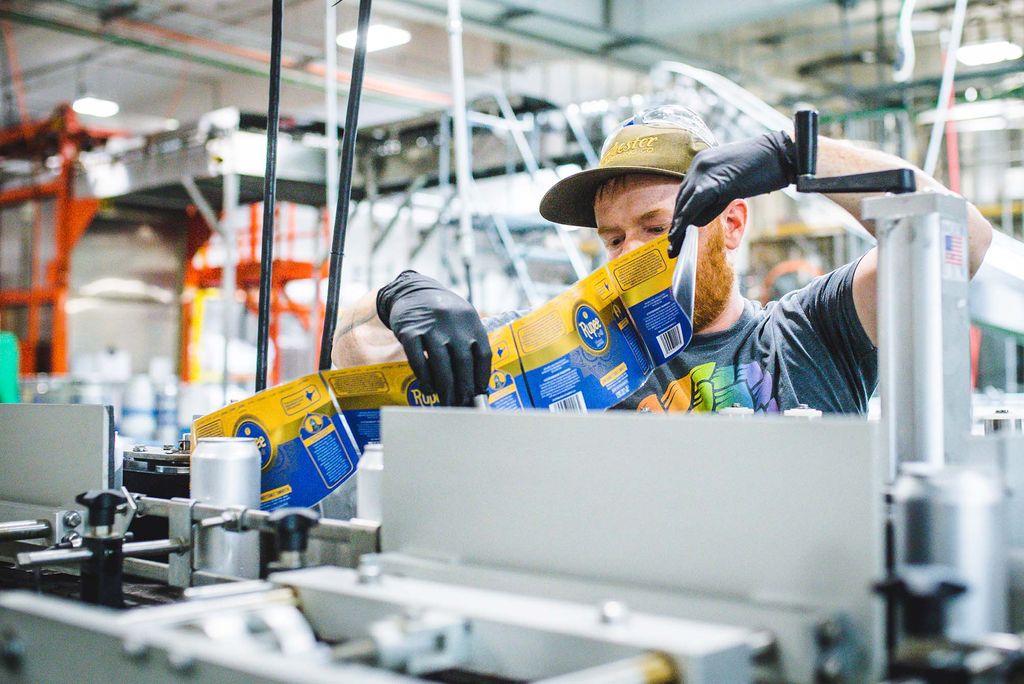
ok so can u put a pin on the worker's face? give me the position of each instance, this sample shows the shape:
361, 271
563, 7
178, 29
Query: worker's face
633, 210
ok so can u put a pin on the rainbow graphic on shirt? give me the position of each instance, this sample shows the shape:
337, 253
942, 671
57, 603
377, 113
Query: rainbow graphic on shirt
710, 387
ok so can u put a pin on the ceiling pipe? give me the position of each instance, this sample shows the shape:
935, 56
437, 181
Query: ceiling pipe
308, 76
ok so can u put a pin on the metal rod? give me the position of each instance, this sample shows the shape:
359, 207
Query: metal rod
348, 153
269, 196
463, 173
31, 559
156, 547
331, 121
649, 668
248, 519
24, 529
956, 32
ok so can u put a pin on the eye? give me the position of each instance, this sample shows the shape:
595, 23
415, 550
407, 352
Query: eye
613, 242
657, 229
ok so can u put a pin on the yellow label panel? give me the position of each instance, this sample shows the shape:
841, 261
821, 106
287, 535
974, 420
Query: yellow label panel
275, 493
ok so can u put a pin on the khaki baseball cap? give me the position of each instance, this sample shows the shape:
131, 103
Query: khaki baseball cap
660, 141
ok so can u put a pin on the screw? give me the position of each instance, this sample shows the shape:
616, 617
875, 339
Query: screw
12, 651
830, 670
613, 612
72, 519
180, 662
369, 573
134, 650
828, 633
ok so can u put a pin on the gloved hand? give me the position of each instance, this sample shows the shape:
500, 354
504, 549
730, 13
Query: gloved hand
427, 317
719, 175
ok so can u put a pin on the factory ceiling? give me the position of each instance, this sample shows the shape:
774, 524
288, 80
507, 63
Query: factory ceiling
165, 60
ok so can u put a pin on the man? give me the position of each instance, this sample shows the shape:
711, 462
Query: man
662, 171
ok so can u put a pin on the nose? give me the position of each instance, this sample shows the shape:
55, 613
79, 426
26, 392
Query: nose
631, 243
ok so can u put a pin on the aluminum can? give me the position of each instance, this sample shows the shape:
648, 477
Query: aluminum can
226, 472
955, 518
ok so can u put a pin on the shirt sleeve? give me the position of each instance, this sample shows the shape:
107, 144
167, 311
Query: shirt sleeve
826, 305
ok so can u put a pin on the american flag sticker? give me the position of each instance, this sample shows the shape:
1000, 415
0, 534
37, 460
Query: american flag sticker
953, 254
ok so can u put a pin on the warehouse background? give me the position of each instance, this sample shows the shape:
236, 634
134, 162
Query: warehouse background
131, 161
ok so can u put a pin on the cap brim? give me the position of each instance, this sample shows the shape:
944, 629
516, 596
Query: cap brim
570, 201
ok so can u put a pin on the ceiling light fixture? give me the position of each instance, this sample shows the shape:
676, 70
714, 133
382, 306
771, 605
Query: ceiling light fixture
95, 106
989, 52
378, 37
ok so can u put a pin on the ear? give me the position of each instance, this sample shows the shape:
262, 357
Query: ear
734, 218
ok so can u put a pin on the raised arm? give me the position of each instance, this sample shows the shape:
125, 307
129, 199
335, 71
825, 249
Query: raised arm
416, 319
836, 157
739, 170
361, 338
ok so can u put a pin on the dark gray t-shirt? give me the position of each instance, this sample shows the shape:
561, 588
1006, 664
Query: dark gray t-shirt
808, 347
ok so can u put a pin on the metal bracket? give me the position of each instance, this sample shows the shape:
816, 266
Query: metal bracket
365, 538
179, 523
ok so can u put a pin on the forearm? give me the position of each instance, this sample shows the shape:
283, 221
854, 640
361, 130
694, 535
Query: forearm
837, 158
361, 338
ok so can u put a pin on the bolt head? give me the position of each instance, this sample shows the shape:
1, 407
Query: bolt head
72, 519
830, 670
828, 633
134, 650
180, 662
12, 651
613, 612
369, 573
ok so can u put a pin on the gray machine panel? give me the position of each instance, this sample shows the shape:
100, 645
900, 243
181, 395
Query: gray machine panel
767, 510
49, 453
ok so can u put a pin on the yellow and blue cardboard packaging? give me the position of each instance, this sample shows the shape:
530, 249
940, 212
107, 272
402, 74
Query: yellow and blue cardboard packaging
586, 349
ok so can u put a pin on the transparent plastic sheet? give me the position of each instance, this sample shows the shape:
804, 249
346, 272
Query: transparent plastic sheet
684, 278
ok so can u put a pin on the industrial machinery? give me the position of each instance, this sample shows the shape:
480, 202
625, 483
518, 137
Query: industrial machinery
510, 547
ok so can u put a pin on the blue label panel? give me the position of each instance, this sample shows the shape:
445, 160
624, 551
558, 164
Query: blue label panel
575, 378
663, 327
312, 464
365, 426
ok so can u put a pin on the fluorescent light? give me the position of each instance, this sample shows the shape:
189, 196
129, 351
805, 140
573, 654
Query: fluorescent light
94, 106
378, 37
989, 52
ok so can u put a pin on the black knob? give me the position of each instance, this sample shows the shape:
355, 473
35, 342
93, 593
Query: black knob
102, 505
923, 595
805, 132
292, 527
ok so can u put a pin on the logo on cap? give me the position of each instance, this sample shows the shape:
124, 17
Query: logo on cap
644, 144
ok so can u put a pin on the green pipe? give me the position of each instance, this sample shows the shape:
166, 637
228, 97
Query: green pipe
310, 83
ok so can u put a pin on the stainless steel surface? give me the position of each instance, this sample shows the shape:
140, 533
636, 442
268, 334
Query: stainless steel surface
226, 471
793, 624
561, 498
24, 529
53, 452
514, 635
55, 637
924, 364
956, 518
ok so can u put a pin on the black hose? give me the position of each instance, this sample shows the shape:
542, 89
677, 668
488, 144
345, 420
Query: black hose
269, 197
348, 153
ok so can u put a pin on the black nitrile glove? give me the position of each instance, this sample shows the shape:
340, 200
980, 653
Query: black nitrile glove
719, 175
427, 317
